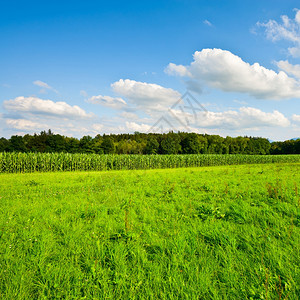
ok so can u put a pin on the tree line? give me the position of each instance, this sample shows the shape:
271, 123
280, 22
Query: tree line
147, 143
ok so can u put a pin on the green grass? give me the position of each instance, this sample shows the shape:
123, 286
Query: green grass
227, 232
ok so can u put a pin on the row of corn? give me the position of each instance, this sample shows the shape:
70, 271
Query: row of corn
50, 162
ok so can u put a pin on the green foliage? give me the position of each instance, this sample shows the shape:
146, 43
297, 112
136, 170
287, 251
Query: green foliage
228, 232
191, 144
4, 144
151, 143
152, 146
170, 144
86, 144
17, 144
107, 145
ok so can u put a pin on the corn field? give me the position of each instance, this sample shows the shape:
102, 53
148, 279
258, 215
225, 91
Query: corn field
52, 162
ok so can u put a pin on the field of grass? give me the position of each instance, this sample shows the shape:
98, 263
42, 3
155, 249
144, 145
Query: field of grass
226, 232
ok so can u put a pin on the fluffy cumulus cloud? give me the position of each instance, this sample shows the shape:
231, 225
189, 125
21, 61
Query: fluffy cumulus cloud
290, 69
97, 127
113, 102
37, 106
244, 118
296, 118
288, 29
228, 72
22, 124
146, 96
132, 126
180, 70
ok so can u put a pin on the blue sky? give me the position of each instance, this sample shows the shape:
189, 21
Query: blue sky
89, 67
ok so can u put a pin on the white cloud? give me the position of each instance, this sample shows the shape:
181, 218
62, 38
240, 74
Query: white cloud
146, 96
296, 118
297, 16
107, 101
22, 124
289, 68
37, 106
44, 86
288, 29
294, 51
206, 22
225, 71
244, 118
132, 126
240, 102
180, 70
129, 115
97, 127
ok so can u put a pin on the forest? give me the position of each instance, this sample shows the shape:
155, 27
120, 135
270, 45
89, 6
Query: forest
147, 143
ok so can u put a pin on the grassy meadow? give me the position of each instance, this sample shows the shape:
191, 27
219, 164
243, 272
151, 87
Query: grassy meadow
222, 232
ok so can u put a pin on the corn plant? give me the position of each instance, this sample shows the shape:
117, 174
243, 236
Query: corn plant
53, 162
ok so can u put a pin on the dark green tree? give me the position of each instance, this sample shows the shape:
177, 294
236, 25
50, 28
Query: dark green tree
107, 145
86, 144
191, 144
55, 143
170, 144
152, 146
16, 143
4, 144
